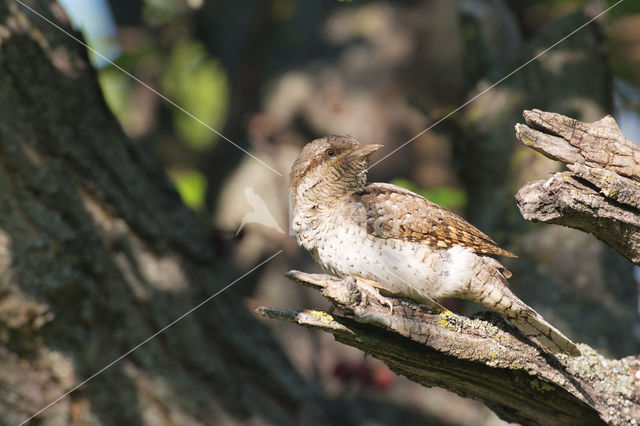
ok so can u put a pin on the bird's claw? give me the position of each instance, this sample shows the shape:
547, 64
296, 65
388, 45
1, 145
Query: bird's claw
388, 302
372, 290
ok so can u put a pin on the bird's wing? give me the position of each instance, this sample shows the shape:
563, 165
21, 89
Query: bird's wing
395, 212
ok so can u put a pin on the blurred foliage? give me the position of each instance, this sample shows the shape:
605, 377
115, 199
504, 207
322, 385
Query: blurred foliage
117, 92
197, 83
624, 39
192, 186
447, 197
624, 8
157, 12
185, 70
561, 7
187, 75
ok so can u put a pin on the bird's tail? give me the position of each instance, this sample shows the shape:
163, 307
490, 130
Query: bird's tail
494, 293
542, 333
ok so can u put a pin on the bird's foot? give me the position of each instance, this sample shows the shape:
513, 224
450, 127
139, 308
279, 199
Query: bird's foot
369, 287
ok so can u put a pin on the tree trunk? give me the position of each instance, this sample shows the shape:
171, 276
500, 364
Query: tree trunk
97, 253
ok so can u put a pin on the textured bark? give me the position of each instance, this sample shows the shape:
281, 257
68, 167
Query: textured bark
97, 253
601, 193
483, 358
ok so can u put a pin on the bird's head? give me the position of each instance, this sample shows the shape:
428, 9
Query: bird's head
330, 167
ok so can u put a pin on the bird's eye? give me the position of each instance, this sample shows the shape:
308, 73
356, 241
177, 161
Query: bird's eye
330, 152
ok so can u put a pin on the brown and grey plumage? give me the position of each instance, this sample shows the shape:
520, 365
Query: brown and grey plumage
418, 219
399, 240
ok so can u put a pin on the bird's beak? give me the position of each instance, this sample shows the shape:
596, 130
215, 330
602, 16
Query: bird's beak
364, 151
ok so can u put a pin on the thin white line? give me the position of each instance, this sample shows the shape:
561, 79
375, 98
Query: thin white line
494, 85
149, 338
166, 99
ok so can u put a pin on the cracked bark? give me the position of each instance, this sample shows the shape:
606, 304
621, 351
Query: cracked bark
482, 357
601, 192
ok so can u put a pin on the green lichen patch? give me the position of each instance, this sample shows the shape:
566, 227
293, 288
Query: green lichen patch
320, 316
448, 320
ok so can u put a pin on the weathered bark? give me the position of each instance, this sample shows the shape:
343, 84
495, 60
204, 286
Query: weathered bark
97, 253
483, 358
601, 194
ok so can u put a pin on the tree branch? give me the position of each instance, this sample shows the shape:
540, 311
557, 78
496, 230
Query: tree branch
483, 357
601, 193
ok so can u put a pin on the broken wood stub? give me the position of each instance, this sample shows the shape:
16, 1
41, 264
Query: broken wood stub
601, 192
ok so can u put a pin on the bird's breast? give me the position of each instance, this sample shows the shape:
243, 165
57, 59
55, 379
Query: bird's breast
338, 239
402, 267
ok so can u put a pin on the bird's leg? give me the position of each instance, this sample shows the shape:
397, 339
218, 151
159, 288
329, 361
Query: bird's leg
372, 288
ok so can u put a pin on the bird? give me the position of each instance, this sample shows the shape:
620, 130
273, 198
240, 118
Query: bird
397, 241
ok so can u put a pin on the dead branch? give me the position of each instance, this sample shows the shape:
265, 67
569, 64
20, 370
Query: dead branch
601, 193
483, 358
